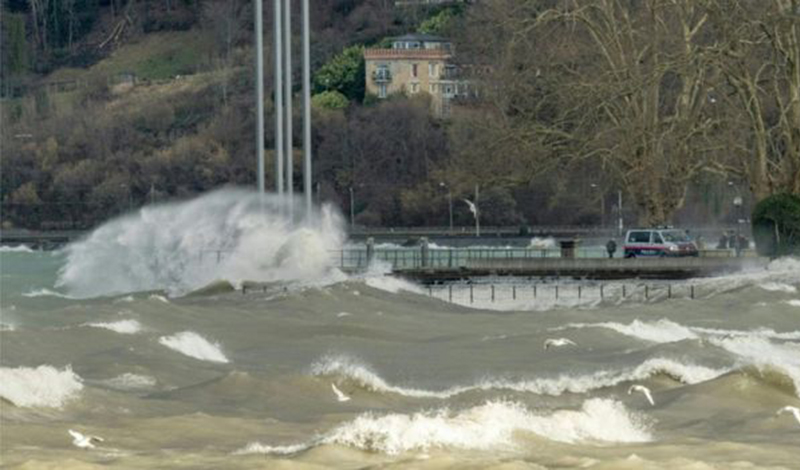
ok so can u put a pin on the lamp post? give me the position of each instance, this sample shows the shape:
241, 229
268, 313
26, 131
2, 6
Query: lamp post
449, 202
738, 203
619, 211
602, 206
352, 209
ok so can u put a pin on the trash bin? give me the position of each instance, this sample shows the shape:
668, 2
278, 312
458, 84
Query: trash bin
568, 248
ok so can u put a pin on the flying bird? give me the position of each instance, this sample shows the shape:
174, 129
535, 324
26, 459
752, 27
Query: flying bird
472, 207
642, 389
790, 409
339, 395
558, 342
84, 441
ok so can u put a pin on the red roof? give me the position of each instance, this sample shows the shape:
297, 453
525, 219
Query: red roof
388, 54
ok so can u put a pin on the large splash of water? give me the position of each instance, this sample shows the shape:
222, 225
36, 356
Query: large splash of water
231, 234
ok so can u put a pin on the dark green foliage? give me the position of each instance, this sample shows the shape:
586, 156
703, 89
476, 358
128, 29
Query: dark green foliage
776, 225
343, 73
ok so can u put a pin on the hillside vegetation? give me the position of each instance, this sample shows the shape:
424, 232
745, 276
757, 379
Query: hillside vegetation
112, 104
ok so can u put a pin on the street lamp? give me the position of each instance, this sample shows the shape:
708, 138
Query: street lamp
449, 202
602, 205
352, 208
738, 203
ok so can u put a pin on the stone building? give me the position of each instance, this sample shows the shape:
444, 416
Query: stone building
416, 63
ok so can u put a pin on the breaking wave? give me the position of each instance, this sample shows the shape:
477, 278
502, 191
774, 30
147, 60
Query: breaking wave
351, 369
493, 425
230, 234
193, 345
16, 249
129, 381
43, 386
126, 327
753, 347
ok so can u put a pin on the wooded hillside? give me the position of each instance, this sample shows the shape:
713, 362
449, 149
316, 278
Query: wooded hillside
679, 104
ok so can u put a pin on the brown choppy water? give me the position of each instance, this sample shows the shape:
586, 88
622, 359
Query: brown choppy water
225, 380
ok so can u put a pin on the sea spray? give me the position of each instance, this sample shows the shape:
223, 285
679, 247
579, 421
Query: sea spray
229, 234
43, 386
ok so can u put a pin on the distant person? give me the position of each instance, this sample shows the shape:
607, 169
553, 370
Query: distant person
723, 242
611, 248
732, 239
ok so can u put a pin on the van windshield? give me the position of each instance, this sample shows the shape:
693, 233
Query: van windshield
675, 236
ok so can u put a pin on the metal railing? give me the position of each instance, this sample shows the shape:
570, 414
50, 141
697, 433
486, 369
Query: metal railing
443, 258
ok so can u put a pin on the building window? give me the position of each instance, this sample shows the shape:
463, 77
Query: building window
414, 70
433, 89
432, 70
414, 88
382, 90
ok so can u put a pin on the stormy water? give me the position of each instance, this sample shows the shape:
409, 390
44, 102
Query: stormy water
141, 335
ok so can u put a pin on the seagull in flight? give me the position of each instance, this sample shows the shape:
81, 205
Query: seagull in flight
84, 441
339, 395
790, 409
642, 389
558, 342
472, 207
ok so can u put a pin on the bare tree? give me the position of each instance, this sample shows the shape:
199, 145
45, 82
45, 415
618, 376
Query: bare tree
759, 55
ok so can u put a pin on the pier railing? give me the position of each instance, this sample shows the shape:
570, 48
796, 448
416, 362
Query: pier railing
440, 258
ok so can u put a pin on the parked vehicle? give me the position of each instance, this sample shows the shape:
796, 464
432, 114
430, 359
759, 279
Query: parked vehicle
658, 242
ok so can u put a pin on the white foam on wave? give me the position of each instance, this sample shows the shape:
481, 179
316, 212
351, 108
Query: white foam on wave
130, 381
764, 354
667, 331
364, 376
194, 345
43, 386
233, 235
794, 302
126, 327
392, 284
753, 347
16, 249
494, 425
778, 287
660, 331
44, 292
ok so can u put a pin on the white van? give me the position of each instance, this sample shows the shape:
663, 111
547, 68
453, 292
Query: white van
658, 242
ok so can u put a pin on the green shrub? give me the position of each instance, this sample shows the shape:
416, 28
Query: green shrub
330, 100
776, 225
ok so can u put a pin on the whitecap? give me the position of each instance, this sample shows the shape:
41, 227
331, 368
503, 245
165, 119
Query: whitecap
660, 331
194, 345
159, 298
127, 327
763, 353
44, 292
778, 287
16, 249
391, 284
494, 425
352, 369
130, 381
43, 386
794, 302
